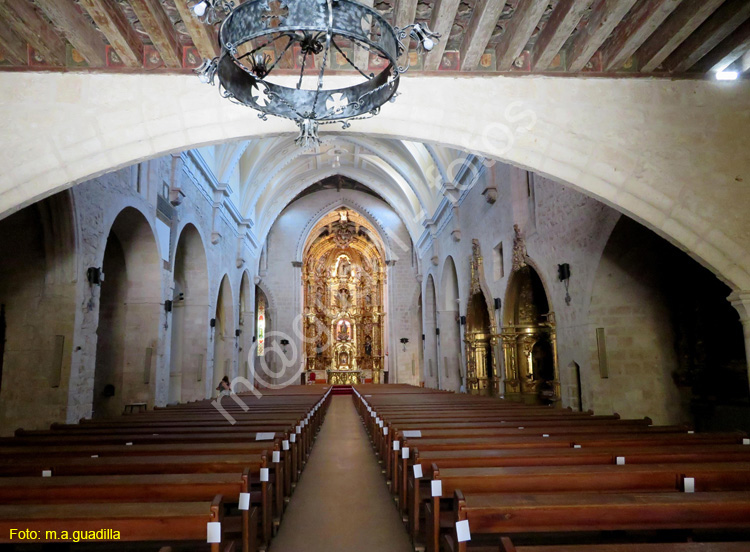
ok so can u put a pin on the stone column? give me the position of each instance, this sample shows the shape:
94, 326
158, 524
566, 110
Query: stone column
741, 301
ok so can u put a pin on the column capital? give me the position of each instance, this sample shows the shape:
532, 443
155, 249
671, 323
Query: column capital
740, 300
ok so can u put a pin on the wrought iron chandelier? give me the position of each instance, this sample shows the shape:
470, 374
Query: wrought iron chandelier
317, 29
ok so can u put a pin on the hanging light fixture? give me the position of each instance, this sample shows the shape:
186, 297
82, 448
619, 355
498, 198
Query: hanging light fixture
317, 28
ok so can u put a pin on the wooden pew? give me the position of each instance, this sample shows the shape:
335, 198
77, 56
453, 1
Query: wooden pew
506, 545
710, 477
508, 514
135, 522
136, 488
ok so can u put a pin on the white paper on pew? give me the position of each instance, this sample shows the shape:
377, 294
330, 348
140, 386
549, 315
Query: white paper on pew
620, 460
690, 484
521, 427
293, 438
436, 486
214, 532
417, 470
298, 430
396, 445
412, 433
285, 444
385, 431
368, 395
128, 444
264, 475
545, 434
46, 473
276, 456
94, 456
746, 441
265, 436
244, 501
690, 431
405, 453
576, 446
462, 531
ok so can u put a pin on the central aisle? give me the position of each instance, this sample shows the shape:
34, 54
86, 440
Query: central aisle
341, 502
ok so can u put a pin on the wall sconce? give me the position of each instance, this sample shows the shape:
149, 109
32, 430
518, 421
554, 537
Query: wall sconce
437, 331
237, 333
168, 305
463, 321
95, 276
563, 273
284, 343
497, 303
404, 341
212, 322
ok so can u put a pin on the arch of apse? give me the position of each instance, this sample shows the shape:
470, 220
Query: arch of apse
637, 145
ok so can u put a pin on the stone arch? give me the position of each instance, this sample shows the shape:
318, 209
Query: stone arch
130, 309
38, 298
450, 329
663, 179
189, 319
224, 339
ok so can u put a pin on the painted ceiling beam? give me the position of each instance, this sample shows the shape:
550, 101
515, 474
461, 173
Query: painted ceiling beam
119, 32
443, 14
634, 30
77, 29
518, 31
159, 27
29, 24
605, 16
688, 16
714, 30
726, 53
481, 26
562, 23
362, 55
13, 46
204, 36
405, 12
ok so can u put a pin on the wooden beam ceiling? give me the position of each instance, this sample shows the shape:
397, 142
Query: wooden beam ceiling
712, 32
204, 36
632, 32
688, 16
362, 55
441, 22
558, 29
404, 13
77, 29
119, 32
605, 16
29, 24
13, 46
481, 26
157, 24
518, 32
726, 53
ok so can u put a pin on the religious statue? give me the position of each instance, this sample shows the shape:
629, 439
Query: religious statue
344, 359
319, 348
345, 268
343, 298
344, 331
368, 346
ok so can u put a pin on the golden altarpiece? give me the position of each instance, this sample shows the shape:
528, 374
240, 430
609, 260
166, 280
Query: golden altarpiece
528, 335
480, 337
344, 282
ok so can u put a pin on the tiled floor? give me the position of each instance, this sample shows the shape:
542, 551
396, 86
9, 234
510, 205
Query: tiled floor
341, 503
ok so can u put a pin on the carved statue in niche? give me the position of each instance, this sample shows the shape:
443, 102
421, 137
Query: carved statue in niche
344, 331
344, 359
368, 299
345, 268
368, 346
319, 297
319, 348
343, 299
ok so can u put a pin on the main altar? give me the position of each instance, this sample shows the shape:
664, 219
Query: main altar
344, 279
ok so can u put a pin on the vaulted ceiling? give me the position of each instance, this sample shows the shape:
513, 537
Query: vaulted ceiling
563, 37
265, 175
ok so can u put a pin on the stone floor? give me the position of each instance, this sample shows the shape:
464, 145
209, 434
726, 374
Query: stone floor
341, 503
